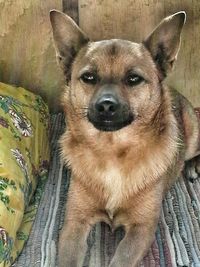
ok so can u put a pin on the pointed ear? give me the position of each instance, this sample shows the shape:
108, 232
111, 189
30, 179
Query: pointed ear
68, 39
164, 42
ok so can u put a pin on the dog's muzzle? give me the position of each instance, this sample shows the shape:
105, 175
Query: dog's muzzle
108, 113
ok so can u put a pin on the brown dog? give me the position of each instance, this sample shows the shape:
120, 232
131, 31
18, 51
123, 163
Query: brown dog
127, 135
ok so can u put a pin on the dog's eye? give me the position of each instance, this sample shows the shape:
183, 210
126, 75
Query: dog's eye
88, 77
133, 80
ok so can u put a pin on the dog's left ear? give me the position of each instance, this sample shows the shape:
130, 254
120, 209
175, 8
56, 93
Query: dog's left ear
68, 39
164, 42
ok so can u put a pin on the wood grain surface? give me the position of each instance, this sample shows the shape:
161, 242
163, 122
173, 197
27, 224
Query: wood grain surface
27, 56
70, 7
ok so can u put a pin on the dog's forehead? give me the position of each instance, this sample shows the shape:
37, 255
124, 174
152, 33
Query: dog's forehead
113, 49
114, 55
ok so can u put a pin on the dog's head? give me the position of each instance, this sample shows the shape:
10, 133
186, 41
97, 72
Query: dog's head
115, 83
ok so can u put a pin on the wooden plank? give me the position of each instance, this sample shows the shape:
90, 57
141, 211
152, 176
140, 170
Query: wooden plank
27, 56
70, 7
126, 19
134, 20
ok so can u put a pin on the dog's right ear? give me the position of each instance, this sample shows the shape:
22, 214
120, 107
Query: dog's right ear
164, 42
68, 39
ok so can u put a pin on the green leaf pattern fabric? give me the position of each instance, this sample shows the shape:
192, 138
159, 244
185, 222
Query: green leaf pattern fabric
24, 156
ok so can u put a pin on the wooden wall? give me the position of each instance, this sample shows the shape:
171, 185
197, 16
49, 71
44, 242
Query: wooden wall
27, 56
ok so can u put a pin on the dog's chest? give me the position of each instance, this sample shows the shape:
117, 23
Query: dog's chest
114, 184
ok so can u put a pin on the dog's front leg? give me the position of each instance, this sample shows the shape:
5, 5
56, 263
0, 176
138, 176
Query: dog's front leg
80, 215
72, 244
134, 246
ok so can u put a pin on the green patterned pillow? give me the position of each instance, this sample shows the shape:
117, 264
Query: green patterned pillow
24, 155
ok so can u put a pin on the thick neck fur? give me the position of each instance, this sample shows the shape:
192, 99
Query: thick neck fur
120, 162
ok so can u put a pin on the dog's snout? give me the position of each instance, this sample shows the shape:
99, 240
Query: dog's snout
108, 110
107, 105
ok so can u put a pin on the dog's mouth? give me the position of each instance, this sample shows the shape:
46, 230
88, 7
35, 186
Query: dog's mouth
109, 125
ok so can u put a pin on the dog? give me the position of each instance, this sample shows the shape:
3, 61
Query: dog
127, 138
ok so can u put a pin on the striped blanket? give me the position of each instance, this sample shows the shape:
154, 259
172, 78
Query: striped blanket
177, 240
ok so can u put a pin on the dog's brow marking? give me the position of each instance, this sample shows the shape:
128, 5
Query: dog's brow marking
137, 71
136, 49
87, 68
113, 50
92, 47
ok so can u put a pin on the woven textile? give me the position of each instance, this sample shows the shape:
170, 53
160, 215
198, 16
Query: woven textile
177, 240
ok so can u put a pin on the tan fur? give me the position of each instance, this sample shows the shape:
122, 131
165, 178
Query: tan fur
121, 174
121, 177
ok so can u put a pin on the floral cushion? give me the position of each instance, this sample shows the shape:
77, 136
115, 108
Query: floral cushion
24, 155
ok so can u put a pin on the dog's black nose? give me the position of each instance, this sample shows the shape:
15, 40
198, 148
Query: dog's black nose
107, 105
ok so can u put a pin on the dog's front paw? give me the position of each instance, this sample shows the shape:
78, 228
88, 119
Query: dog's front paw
121, 264
122, 261
115, 264
192, 169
